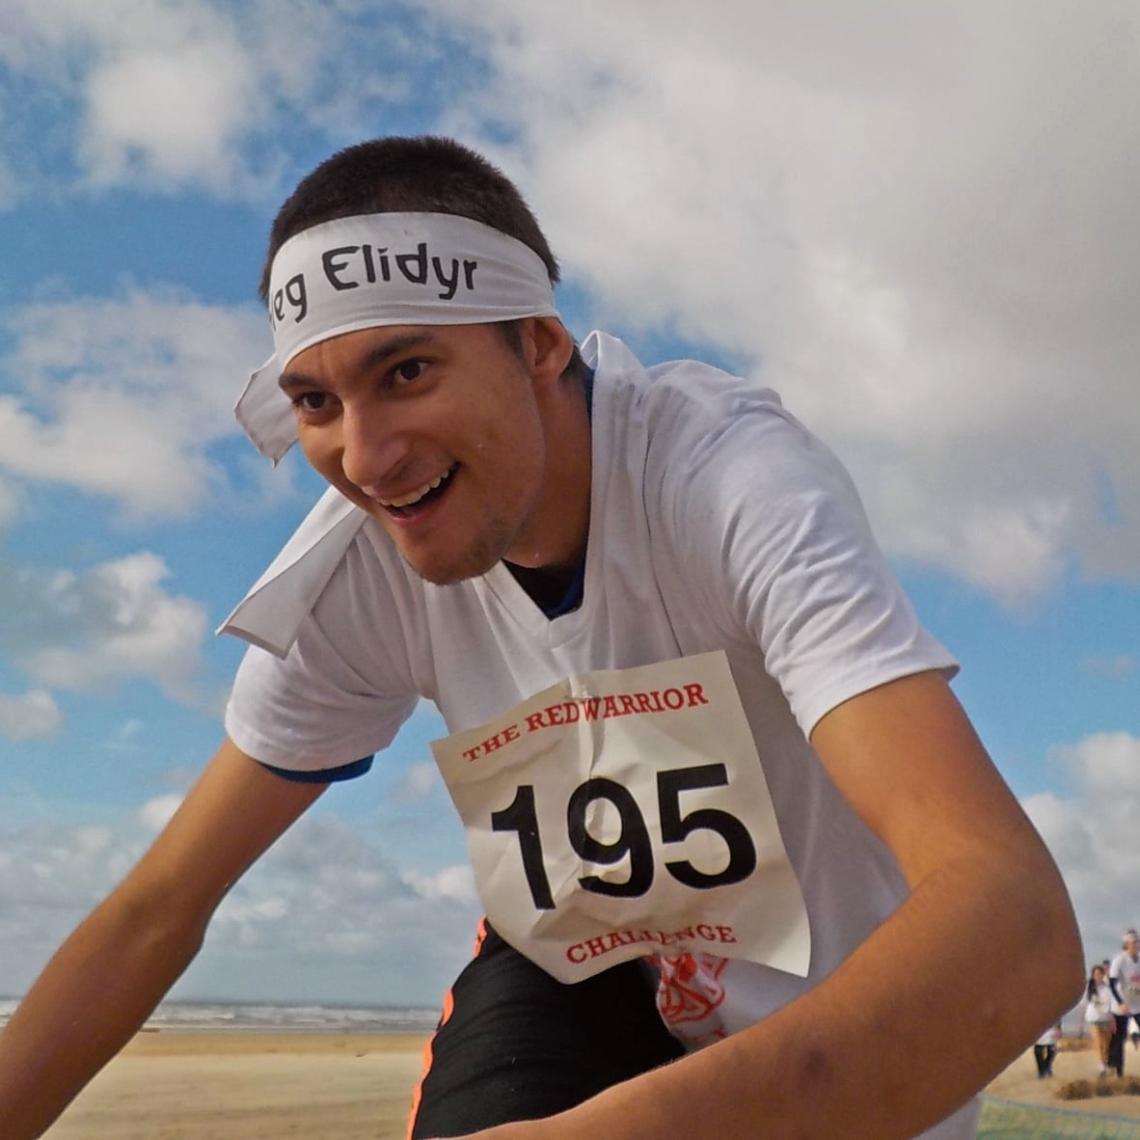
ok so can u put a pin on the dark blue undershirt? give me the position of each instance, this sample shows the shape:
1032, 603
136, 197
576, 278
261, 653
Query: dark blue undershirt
570, 600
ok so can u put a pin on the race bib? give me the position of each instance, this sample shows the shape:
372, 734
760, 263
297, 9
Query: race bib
625, 813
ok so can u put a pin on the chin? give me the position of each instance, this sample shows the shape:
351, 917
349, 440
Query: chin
471, 555
448, 571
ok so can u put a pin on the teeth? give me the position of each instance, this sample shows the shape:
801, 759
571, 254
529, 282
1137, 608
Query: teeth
415, 496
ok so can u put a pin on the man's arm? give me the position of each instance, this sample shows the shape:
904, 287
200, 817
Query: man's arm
114, 969
919, 1017
1114, 986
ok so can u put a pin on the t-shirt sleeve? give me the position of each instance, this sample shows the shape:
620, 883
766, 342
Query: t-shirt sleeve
781, 552
339, 775
339, 695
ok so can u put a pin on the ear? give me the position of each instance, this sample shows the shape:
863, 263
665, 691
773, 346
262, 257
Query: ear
547, 347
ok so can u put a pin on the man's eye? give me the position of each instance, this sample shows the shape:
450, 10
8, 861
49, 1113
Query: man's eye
310, 401
408, 370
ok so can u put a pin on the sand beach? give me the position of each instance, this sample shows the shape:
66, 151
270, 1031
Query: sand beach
181, 1084
249, 1085
1073, 1063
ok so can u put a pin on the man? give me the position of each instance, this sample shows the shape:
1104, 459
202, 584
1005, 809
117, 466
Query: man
720, 800
1124, 981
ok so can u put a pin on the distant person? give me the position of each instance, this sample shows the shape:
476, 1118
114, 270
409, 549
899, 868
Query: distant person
1124, 980
1045, 1051
727, 818
1099, 1015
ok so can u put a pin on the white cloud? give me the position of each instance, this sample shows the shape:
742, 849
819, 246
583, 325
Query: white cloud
93, 839
324, 915
173, 93
1093, 833
456, 883
198, 96
417, 783
126, 737
91, 630
325, 896
34, 714
156, 813
50, 877
916, 222
1012, 549
164, 89
123, 397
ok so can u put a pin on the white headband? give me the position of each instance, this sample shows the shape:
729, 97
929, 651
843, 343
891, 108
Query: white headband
384, 269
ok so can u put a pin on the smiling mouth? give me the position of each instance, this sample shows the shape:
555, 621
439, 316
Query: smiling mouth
404, 506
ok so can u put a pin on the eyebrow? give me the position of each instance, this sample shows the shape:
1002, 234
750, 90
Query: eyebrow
372, 358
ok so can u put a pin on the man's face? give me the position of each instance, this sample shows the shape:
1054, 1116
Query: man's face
435, 432
1132, 948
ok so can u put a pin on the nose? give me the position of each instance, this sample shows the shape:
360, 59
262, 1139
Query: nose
372, 447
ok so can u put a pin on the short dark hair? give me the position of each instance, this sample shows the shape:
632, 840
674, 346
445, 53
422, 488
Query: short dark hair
425, 174
428, 174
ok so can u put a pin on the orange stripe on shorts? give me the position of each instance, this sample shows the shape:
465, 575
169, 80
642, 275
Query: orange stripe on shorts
448, 1009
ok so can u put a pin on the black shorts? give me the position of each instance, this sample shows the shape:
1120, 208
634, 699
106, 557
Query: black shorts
514, 1044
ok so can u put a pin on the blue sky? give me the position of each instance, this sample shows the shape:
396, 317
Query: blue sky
918, 223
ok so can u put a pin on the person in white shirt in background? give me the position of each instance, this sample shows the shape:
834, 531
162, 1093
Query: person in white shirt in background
1124, 981
1099, 1015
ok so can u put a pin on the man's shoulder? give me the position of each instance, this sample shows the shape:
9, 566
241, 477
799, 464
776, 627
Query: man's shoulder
695, 385
682, 406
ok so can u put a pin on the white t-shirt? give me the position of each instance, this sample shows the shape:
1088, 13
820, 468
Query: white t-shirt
1098, 1006
1125, 971
717, 523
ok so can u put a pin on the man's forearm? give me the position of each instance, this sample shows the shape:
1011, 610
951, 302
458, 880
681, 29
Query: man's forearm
89, 1001
914, 1023
1114, 987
